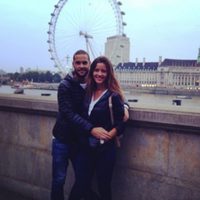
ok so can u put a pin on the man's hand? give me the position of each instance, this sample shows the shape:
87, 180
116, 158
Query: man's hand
126, 114
101, 133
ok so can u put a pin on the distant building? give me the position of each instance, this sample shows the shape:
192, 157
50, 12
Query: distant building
36, 69
117, 49
21, 70
169, 73
3, 77
2, 72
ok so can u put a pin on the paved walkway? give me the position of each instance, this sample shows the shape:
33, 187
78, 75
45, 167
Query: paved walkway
7, 195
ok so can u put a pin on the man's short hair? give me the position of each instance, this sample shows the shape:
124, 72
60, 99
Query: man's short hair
81, 51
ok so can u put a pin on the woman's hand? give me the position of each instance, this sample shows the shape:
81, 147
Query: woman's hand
113, 133
126, 114
101, 133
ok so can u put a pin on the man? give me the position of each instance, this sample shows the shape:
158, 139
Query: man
71, 93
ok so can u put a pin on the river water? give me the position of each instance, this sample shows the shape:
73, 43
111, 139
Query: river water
5, 89
156, 101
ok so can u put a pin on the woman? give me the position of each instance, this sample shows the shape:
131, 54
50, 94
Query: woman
97, 156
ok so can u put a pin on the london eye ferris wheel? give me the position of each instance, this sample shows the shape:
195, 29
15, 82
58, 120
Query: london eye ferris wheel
82, 24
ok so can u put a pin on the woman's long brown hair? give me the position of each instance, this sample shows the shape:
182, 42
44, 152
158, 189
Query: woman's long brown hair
111, 82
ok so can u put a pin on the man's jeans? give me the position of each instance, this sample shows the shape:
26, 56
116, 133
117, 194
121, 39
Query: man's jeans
61, 153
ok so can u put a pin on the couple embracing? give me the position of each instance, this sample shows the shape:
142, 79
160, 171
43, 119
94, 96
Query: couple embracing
84, 132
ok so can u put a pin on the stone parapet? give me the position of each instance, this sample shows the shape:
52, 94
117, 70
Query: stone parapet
159, 157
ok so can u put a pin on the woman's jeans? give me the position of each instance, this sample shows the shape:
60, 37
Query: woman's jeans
61, 153
99, 160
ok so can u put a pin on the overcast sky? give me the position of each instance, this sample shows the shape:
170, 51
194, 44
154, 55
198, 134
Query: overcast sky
167, 28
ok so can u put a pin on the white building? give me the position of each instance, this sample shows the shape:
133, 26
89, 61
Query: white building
117, 49
170, 73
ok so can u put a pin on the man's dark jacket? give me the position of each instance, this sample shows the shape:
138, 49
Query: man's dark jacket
70, 104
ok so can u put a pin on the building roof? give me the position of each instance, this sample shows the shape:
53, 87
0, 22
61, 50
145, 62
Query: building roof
178, 62
154, 65
137, 66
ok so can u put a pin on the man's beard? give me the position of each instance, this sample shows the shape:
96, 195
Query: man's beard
81, 76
